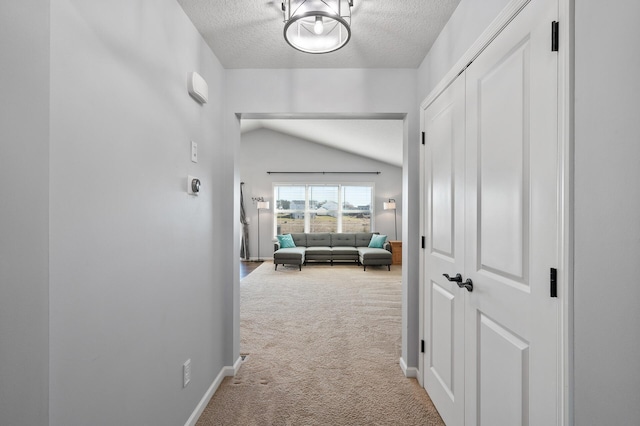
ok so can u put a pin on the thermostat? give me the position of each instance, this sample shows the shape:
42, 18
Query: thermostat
193, 185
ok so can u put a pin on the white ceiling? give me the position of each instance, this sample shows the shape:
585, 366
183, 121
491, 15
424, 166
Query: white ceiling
380, 140
384, 33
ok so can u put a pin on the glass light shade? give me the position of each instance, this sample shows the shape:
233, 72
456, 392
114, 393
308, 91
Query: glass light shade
301, 31
390, 205
262, 205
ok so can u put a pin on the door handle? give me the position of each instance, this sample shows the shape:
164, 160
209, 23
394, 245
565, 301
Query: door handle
457, 278
468, 284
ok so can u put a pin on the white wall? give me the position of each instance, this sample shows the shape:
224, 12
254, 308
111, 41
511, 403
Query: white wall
24, 212
335, 92
607, 213
469, 20
136, 282
265, 150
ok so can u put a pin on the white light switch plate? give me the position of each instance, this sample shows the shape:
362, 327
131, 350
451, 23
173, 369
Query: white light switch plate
186, 373
194, 152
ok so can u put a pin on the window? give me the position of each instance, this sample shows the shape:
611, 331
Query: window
318, 208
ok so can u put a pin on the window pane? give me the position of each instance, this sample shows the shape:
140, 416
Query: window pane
323, 208
356, 205
356, 222
287, 224
290, 197
290, 201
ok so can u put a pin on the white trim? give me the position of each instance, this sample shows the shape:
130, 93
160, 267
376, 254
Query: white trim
236, 366
227, 371
408, 371
506, 15
565, 216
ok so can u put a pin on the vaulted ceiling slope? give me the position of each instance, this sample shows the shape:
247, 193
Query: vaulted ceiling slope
385, 33
379, 140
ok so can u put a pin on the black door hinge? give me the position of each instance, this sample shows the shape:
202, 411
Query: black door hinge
422, 241
553, 281
421, 346
423, 138
554, 36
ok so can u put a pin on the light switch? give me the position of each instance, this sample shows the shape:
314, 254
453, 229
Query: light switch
194, 152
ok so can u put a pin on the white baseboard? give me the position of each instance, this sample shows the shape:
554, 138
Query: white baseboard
408, 371
224, 372
236, 366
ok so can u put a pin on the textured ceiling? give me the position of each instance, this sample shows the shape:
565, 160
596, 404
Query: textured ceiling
384, 33
380, 140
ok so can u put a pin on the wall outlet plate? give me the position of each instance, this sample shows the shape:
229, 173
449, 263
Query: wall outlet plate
186, 373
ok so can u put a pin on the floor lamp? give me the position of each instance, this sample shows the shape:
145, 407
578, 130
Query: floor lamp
262, 205
391, 205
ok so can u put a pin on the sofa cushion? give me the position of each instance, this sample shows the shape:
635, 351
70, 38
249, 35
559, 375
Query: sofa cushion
374, 253
319, 240
377, 241
345, 251
310, 251
286, 241
363, 239
300, 240
343, 240
286, 255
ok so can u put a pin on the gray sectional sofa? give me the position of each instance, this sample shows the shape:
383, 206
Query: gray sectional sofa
332, 247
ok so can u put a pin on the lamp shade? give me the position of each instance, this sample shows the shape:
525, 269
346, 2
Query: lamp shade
262, 205
317, 26
389, 205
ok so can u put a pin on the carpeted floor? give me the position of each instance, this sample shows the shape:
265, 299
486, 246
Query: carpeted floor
323, 348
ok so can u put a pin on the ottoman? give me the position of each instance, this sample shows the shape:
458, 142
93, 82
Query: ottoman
374, 256
289, 256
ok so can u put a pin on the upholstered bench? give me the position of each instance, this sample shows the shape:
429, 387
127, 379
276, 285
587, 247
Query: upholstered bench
374, 256
289, 256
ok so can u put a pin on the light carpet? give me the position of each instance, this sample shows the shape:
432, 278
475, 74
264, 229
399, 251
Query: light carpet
323, 348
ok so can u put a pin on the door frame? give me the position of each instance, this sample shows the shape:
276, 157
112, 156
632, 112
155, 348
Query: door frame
564, 185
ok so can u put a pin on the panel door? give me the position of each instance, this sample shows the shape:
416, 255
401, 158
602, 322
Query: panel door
444, 207
511, 322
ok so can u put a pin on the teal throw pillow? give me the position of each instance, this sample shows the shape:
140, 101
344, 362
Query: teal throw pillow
377, 241
286, 241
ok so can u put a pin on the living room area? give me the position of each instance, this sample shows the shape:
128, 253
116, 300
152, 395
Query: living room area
319, 176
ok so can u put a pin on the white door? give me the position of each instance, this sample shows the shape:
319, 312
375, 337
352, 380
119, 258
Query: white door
444, 161
511, 322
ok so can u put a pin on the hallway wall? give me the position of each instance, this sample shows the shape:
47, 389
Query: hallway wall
136, 285
607, 213
24, 213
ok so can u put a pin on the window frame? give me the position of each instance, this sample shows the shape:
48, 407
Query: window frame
307, 207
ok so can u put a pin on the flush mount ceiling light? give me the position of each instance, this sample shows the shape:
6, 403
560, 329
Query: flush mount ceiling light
317, 26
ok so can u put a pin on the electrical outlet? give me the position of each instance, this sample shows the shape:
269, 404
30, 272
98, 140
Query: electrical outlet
186, 373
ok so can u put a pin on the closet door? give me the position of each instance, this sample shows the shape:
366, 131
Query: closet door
444, 207
511, 331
